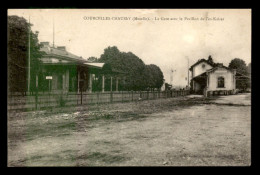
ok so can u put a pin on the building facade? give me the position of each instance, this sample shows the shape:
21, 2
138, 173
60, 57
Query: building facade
64, 72
209, 78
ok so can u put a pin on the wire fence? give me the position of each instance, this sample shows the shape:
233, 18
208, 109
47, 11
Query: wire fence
38, 101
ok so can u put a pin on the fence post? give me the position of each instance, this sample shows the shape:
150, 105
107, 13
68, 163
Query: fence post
81, 97
97, 97
111, 96
132, 95
77, 98
147, 95
49, 95
36, 99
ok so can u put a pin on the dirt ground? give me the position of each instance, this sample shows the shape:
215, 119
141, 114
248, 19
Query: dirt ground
183, 131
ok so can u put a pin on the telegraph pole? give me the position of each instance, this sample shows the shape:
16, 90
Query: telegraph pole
171, 75
188, 71
53, 32
29, 47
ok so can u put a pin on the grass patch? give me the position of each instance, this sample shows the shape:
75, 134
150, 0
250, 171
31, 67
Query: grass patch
49, 129
103, 157
126, 116
99, 116
70, 126
41, 124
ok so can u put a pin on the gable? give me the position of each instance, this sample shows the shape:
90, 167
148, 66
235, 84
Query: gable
200, 61
200, 68
222, 69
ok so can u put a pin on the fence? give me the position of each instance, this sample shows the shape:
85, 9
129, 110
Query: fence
41, 101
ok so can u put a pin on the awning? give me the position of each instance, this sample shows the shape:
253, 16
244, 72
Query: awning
240, 76
201, 77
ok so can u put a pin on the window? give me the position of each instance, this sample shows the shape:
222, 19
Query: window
221, 82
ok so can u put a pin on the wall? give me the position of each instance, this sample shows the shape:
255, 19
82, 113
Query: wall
213, 79
54, 82
53, 60
197, 70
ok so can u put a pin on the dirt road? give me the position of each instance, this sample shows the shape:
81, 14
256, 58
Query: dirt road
180, 131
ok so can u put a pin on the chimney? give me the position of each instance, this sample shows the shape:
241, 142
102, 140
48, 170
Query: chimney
61, 48
45, 44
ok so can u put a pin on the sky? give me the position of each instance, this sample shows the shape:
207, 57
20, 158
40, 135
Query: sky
172, 39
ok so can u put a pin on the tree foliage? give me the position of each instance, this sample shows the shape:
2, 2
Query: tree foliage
18, 39
92, 59
243, 69
138, 76
239, 65
153, 76
210, 59
249, 68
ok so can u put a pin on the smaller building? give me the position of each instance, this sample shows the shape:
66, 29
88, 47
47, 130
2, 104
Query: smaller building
209, 78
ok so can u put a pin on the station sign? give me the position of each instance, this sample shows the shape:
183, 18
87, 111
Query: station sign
48, 77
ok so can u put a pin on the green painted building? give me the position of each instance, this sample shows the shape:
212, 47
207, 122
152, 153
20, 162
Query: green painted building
65, 72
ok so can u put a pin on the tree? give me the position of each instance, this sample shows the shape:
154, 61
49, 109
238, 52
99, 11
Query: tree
138, 75
18, 50
92, 59
241, 68
239, 65
210, 59
153, 76
110, 54
249, 68
148, 77
124, 62
159, 76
